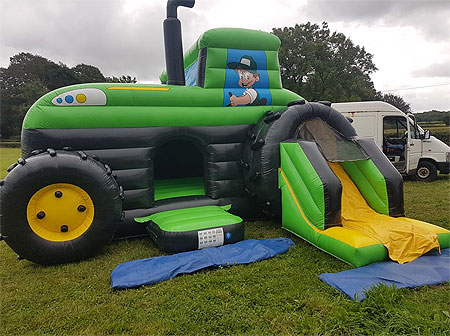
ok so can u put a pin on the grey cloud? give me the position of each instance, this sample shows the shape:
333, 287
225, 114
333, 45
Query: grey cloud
430, 17
436, 98
434, 70
99, 33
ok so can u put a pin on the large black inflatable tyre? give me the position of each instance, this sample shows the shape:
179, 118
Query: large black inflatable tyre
426, 172
261, 156
59, 207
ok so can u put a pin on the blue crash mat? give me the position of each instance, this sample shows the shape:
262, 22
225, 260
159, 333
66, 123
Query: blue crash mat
430, 269
153, 270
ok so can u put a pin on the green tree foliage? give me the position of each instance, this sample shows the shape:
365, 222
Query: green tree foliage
88, 74
121, 79
321, 65
434, 117
29, 76
394, 100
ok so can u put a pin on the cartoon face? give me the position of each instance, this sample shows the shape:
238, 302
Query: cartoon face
246, 78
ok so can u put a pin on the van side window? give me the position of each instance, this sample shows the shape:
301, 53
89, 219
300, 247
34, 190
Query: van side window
394, 127
414, 132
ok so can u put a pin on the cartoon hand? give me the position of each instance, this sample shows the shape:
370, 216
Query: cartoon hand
233, 100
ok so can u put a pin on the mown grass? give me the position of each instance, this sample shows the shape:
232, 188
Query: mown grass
429, 201
7, 157
440, 132
278, 296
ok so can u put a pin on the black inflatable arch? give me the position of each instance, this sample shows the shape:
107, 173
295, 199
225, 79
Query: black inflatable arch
261, 156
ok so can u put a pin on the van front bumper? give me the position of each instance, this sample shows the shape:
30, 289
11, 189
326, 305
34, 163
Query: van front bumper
443, 167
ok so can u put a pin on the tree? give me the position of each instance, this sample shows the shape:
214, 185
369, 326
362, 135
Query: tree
394, 100
29, 77
25, 68
321, 65
121, 79
434, 116
15, 104
88, 74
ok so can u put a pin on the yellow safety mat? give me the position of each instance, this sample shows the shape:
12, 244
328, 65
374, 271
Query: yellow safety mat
405, 238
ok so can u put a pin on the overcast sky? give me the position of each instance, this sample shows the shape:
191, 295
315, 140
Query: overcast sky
410, 39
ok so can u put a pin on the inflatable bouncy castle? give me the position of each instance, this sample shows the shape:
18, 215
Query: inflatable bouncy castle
219, 141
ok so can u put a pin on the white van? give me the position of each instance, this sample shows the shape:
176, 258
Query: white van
410, 148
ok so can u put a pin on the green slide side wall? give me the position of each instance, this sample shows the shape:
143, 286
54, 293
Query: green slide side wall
295, 195
294, 222
444, 240
370, 182
305, 182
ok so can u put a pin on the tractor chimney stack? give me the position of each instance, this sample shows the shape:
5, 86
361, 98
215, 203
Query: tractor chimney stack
173, 42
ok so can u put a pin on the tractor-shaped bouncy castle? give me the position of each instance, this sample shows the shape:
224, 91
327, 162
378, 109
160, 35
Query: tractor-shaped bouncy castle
219, 140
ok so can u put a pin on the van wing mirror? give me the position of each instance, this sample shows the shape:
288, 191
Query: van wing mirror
425, 135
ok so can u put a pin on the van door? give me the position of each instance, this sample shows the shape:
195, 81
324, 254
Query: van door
395, 136
413, 147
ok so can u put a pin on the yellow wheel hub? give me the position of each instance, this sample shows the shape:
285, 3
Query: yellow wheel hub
60, 212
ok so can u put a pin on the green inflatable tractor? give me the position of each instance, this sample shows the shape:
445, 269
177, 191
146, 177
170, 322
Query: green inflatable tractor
183, 161
97, 156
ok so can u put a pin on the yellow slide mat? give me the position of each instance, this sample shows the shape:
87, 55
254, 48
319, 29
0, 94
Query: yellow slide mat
405, 238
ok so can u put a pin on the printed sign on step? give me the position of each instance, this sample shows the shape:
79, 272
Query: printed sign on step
210, 238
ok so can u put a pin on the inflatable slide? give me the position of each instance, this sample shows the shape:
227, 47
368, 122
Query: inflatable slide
342, 196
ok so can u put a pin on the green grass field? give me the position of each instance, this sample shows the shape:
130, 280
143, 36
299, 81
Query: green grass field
7, 157
277, 296
440, 132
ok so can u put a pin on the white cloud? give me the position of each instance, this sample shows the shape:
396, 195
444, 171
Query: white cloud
441, 69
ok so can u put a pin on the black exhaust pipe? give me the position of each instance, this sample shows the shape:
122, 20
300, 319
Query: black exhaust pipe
173, 42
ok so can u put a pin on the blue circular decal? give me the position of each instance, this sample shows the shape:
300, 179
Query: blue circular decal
228, 235
69, 99
59, 100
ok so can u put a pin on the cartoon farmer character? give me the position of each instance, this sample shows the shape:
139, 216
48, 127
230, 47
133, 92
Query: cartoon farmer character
246, 70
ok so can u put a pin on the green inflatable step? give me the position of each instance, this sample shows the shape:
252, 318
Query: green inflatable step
194, 228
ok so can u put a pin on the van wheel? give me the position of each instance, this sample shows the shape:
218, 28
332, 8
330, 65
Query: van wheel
426, 171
